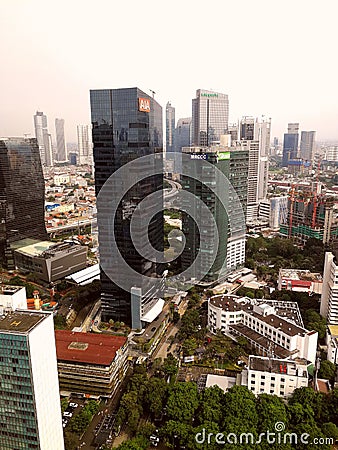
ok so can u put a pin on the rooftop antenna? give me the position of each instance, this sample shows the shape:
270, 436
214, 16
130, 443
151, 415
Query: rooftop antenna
153, 92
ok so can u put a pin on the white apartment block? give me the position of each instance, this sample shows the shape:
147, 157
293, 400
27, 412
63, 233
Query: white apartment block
270, 329
332, 343
29, 400
275, 376
329, 298
12, 298
235, 253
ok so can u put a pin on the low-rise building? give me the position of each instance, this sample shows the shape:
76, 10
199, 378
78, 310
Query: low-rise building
50, 261
269, 327
90, 364
275, 376
299, 280
12, 298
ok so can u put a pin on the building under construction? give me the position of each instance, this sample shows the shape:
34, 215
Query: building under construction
310, 215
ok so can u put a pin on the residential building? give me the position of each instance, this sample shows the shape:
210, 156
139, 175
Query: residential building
60, 140
275, 376
233, 164
210, 117
50, 261
43, 138
127, 124
85, 146
329, 297
271, 327
30, 409
290, 143
299, 280
254, 135
22, 195
307, 145
332, 343
12, 298
91, 364
331, 153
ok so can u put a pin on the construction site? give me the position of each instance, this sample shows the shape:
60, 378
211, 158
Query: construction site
311, 214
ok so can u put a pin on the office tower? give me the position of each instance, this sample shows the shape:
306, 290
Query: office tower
331, 153
233, 131
43, 138
22, 195
170, 127
85, 146
210, 117
254, 136
30, 407
60, 140
127, 124
233, 163
290, 144
307, 145
182, 139
329, 298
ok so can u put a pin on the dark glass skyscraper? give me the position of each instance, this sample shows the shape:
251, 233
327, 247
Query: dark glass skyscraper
22, 195
127, 124
290, 144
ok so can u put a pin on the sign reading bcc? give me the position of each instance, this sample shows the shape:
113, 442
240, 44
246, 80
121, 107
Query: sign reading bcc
144, 104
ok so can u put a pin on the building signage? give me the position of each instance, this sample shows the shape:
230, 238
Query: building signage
206, 94
223, 155
199, 156
144, 104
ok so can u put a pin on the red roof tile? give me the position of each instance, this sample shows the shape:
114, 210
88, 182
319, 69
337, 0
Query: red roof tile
97, 348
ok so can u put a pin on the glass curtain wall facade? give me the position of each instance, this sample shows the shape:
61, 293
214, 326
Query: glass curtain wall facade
234, 165
122, 132
210, 117
22, 195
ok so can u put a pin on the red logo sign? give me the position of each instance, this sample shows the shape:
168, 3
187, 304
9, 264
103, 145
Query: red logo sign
144, 104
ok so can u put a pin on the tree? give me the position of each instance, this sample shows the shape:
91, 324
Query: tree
176, 432
156, 395
137, 443
211, 409
183, 402
327, 370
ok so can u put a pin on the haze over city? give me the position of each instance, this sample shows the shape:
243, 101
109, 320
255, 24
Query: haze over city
275, 60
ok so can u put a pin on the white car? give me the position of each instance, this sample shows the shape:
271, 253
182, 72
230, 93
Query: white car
73, 405
67, 414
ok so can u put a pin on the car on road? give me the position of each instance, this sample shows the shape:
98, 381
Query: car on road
73, 405
67, 414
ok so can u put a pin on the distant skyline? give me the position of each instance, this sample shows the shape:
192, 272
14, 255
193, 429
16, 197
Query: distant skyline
272, 59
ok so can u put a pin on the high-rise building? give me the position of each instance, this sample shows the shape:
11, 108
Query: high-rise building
290, 143
85, 146
307, 145
22, 195
233, 164
210, 117
43, 138
329, 298
60, 140
170, 128
127, 124
254, 136
30, 409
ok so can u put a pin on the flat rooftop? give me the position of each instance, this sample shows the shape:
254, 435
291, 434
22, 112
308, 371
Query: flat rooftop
6, 289
333, 329
21, 321
300, 274
87, 348
35, 249
297, 367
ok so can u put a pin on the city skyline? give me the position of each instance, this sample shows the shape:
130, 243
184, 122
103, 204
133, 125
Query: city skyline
53, 72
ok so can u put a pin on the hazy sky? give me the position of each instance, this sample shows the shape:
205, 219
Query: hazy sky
276, 58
